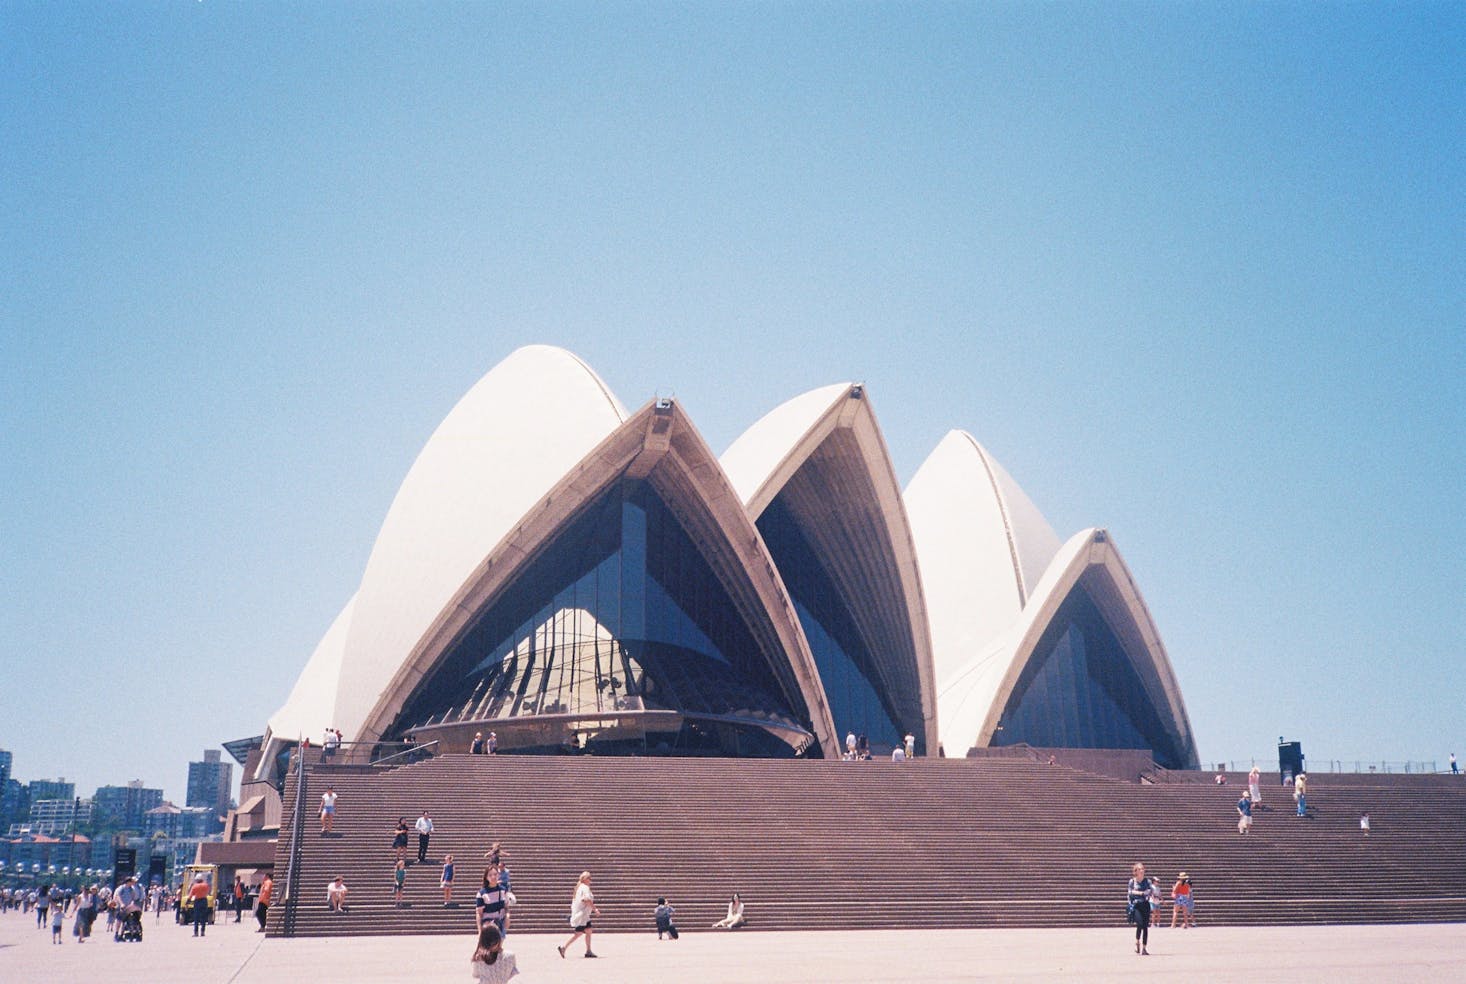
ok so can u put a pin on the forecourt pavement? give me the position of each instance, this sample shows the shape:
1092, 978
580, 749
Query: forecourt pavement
236, 955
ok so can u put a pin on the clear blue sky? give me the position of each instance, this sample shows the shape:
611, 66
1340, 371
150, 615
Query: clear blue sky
1192, 272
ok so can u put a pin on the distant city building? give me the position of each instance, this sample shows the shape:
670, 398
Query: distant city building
210, 783
29, 850
181, 822
54, 817
48, 789
123, 807
6, 761
15, 802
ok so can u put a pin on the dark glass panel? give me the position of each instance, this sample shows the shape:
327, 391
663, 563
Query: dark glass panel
1081, 690
619, 613
844, 661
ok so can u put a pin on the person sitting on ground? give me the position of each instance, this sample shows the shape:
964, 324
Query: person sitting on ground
734, 918
492, 964
663, 914
336, 895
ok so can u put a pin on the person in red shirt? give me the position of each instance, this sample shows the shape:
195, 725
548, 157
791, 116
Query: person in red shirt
262, 907
198, 902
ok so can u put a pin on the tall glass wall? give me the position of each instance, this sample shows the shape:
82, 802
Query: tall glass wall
1081, 690
620, 615
841, 655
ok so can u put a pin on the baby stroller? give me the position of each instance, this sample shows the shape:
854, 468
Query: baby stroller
130, 930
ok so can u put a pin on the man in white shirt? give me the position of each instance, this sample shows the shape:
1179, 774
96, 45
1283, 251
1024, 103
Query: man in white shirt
424, 831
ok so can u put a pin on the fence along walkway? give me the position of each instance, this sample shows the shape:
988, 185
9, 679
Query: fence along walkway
841, 845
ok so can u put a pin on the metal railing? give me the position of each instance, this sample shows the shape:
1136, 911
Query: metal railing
366, 752
410, 753
1409, 767
292, 860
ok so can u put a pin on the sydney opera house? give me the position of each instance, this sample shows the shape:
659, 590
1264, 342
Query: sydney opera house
571, 574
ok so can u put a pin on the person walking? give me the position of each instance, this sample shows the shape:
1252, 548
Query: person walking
1300, 793
1244, 814
489, 903
492, 964
1182, 902
1254, 786
1455, 769
399, 882
1364, 824
424, 827
582, 908
328, 810
1139, 892
446, 882
911, 746
476, 747
399, 838
493, 743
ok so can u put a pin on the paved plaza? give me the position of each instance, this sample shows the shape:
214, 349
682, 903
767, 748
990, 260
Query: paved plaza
236, 955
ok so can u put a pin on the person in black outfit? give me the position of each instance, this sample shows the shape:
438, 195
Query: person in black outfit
1139, 894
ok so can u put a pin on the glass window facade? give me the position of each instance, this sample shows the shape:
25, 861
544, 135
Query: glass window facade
1081, 690
619, 620
841, 655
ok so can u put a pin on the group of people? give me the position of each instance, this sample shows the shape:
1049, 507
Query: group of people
1252, 800
484, 746
857, 748
124, 906
1144, 898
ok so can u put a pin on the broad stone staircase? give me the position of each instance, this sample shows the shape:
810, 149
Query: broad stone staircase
843, 845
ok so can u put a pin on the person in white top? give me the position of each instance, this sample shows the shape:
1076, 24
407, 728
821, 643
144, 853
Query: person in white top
1254, 786
911, 746
336, 894
492, 964
582, 907
424, 830
898, 754
734, 919
328, 810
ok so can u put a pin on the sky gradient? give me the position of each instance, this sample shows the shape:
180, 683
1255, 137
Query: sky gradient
1193, 273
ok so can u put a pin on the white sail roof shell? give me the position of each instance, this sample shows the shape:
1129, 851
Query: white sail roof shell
752, 461
982, 545
306, 713
506, 443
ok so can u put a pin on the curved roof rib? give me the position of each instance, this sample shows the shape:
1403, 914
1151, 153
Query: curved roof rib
498, 452
823, 455
658, 445
972, 700
982, 543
